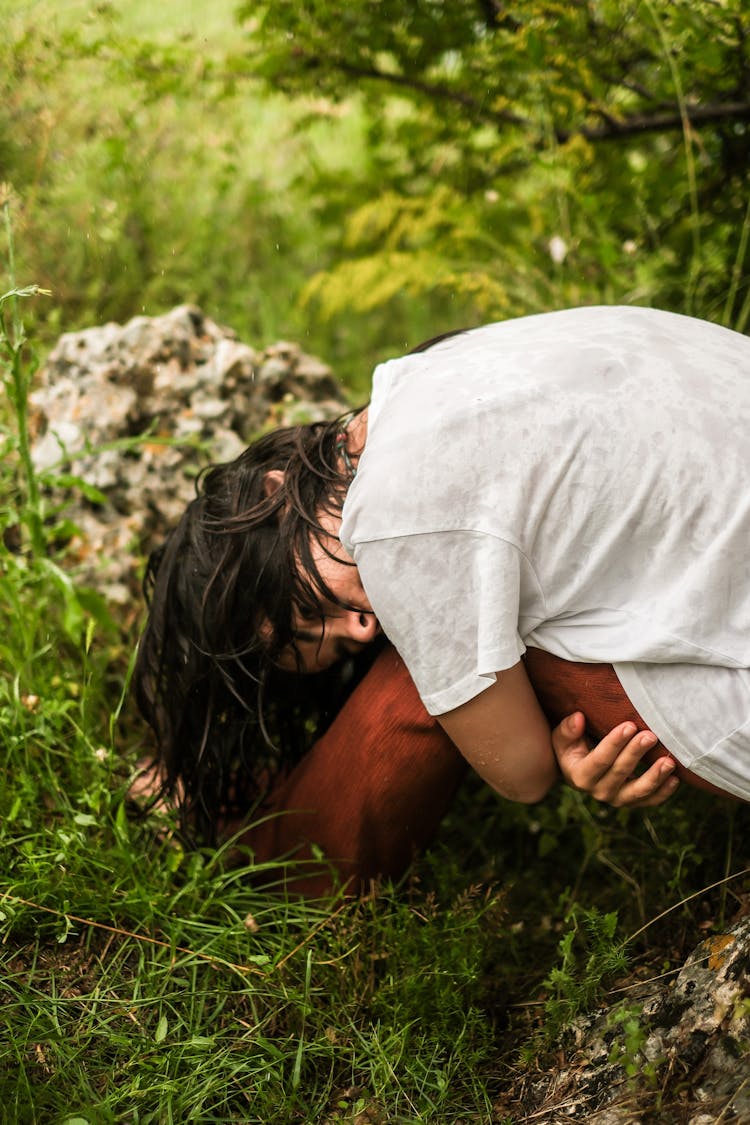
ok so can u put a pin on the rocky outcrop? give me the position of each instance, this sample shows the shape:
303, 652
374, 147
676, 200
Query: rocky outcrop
136, 411
676, 1052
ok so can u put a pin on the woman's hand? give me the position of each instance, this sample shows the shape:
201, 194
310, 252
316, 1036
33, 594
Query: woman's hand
606, 771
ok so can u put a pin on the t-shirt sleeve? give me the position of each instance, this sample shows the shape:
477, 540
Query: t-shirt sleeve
449, 602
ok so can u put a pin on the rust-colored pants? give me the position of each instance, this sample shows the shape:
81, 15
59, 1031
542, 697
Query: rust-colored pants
375, 787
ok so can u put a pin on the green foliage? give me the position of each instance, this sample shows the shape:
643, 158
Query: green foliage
532, 157
627, 1049
147, 173
30, 527
17, 372
576, 984
362, 176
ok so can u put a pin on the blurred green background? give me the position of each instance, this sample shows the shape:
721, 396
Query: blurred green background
361, 176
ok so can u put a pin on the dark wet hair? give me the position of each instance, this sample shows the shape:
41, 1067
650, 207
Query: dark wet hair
222, 591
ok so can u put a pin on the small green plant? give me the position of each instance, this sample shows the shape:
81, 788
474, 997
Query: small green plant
18, 367
32, 528
627, 1050
576, 982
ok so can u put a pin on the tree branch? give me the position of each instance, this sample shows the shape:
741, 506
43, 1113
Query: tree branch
491, 11
697, 115
442, 93
495, 14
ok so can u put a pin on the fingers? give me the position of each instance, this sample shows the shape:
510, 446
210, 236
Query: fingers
606, 772
647, 792
618, 753
568, 739
653, 787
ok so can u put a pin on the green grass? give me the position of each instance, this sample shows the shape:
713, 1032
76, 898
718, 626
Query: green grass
141, 983
112, 1029
213, 22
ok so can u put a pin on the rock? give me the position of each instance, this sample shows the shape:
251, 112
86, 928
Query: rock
692, 1037
178, 378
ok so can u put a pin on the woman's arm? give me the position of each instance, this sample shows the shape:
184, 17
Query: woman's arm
505, 737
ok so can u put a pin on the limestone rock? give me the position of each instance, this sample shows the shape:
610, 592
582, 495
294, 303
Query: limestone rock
195, 391
690, 1039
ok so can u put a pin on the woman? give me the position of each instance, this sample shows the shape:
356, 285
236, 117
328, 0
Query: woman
561, 497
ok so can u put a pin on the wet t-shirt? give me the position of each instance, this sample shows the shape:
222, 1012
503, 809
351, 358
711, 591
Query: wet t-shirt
574, 481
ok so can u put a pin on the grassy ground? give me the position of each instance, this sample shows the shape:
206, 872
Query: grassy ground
144, 984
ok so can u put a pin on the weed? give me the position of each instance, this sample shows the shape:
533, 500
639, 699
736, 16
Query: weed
589, 954
627, 1050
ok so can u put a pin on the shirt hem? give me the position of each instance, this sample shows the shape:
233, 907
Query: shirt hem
469, 687
702, 763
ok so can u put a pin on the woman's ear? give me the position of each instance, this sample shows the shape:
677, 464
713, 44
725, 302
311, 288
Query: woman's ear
272, 482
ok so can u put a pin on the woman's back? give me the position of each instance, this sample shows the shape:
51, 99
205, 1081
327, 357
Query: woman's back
574, 481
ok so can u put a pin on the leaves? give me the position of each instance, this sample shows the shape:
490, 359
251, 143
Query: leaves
609, 125
575, 983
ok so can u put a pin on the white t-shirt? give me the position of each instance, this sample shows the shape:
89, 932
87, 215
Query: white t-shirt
575, 481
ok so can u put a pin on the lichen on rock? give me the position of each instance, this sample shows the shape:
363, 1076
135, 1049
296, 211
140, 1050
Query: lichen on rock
692, 1036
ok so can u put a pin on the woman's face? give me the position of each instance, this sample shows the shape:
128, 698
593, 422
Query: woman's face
343, 631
